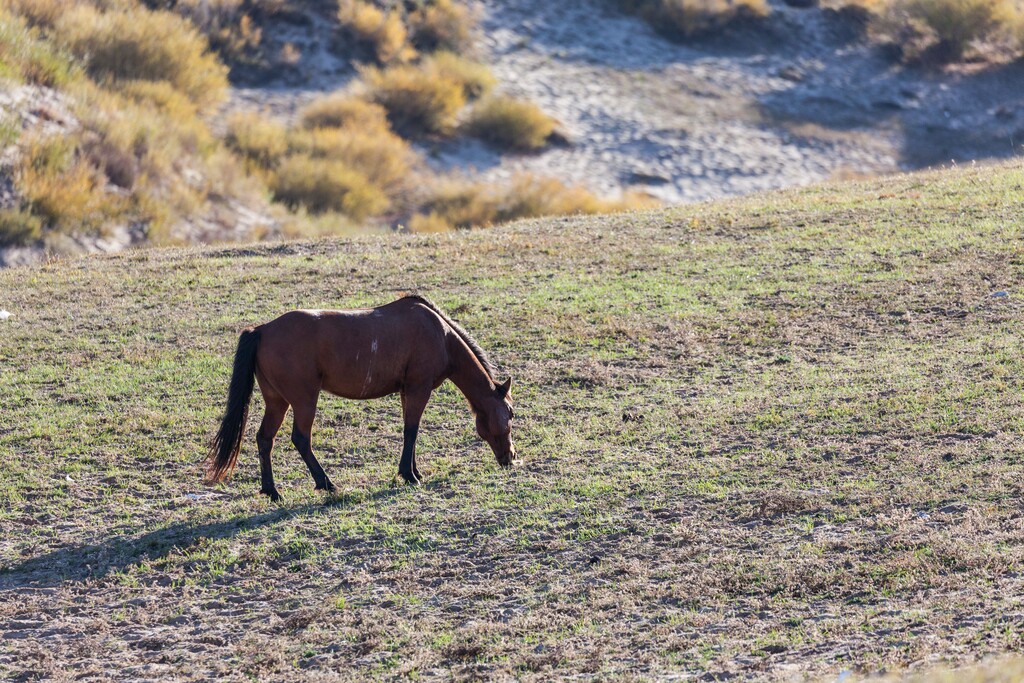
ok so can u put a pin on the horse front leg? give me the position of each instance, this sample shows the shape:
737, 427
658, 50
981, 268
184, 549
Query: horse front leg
413, 404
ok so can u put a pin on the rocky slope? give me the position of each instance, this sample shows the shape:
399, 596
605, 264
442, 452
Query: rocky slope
799, 99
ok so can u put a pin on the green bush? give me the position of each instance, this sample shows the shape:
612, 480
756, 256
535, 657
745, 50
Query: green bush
418, 100
510, 123
322, 185
143, 45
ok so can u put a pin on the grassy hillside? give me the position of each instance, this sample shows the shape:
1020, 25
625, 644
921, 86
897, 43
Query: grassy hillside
770, 437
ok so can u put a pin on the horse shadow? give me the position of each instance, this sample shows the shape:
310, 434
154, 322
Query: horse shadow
84, 561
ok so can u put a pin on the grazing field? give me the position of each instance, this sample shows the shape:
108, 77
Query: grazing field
772, 438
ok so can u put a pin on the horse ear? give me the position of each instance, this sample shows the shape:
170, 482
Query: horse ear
503, 389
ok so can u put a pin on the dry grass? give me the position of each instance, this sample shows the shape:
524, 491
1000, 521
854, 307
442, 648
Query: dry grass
773, 438
510, 124
418, 100
443, 25
142, 45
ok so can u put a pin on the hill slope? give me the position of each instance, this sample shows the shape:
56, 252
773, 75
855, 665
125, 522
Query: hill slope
763, 438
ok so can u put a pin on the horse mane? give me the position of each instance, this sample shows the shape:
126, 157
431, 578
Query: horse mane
470, 342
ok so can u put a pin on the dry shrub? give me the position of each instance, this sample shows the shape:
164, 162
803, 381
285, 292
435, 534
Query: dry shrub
510, 123
39, 12
25, 56
138, 44
695, 17
340, 110
19, 227
475, 78
418, 100
229, 29
382, 32
256, 138
429, 222
61, 187
162, 96
943, 30
322, 185
467, 205
385, 159
443, 25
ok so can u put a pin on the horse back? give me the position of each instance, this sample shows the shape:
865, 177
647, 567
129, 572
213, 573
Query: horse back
362, 353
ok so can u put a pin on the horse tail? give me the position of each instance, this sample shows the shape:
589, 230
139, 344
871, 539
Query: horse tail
228, 442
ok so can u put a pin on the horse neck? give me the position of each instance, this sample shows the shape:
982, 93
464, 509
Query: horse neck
467, 373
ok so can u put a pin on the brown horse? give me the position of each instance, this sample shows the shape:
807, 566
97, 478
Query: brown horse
408, 346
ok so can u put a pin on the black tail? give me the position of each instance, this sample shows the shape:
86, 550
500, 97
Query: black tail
227, 443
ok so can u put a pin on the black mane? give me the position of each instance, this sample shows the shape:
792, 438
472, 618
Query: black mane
470, 342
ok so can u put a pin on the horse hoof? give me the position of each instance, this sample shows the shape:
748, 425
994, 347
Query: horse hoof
275, 497
410, 479
329, 487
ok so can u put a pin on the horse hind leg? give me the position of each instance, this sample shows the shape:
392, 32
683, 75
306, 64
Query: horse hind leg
302, 430
273, 416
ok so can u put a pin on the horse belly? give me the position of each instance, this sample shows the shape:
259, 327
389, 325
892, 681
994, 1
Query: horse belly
367, 371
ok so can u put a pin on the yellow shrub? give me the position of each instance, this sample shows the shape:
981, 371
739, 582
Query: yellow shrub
139, 44
443, 25
25, 56
466, 205
39, 12
418, 100
62, 188
384, 158
475, 78
383, 32
162, 96
428, 222
257, 138
322, 185
510, 123
694, 17
229, 29
341, 110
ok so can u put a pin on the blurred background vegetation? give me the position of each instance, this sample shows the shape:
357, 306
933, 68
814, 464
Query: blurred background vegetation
133, 138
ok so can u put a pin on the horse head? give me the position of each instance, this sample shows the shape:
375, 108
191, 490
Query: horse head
494, 423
